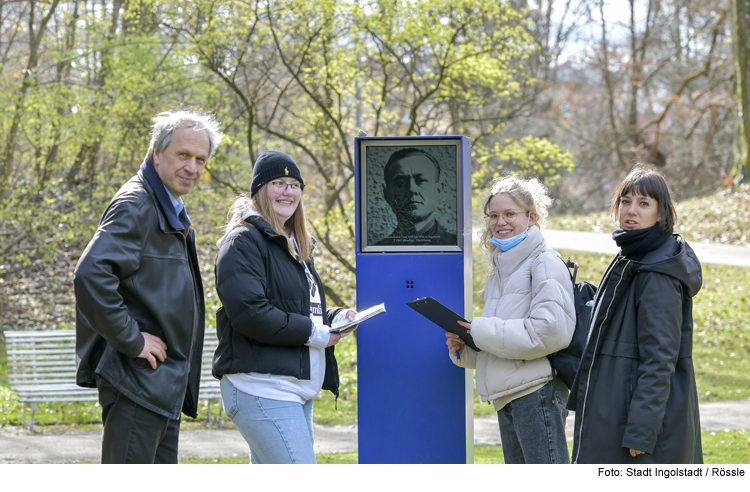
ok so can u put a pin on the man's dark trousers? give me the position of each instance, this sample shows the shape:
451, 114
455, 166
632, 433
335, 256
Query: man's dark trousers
132, 433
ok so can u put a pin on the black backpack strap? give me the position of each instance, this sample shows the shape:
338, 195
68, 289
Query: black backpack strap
572, 264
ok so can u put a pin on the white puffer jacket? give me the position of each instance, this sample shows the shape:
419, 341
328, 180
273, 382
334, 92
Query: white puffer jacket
528, 314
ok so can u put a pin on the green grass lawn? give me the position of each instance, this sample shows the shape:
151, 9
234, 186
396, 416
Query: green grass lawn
721, 315
718, 448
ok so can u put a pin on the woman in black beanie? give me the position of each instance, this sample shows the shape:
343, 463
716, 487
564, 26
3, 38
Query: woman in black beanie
275, 349
634, 396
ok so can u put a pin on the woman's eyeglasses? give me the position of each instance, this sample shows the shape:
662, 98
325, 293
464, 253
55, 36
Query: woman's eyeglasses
280, 186
509, 217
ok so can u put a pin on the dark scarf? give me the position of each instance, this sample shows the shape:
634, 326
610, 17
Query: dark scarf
177, 222
635, 244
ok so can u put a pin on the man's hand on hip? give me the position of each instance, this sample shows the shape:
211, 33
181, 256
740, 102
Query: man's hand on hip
153, 348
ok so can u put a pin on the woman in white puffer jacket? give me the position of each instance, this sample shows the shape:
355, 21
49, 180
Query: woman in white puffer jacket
528, 314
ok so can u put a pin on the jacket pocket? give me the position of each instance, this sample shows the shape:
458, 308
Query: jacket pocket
107, 393
146, 323
620, 349
331, 378
221, 321
230, 407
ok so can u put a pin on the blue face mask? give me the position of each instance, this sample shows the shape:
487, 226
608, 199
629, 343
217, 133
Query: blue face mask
507, 244
510, 243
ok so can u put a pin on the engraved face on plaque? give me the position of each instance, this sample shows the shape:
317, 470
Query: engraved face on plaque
411, 196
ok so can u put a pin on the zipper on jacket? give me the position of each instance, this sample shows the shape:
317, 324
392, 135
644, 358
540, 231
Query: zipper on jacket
596, 346
195, 297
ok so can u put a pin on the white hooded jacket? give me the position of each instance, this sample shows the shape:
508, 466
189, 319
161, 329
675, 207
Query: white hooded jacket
528, 313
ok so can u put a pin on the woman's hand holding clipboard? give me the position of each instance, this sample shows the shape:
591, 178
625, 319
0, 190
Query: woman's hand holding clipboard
445, 318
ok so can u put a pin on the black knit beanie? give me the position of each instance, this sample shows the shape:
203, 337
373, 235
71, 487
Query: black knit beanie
272, 164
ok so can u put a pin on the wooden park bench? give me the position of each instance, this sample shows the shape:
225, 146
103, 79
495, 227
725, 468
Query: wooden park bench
42, 367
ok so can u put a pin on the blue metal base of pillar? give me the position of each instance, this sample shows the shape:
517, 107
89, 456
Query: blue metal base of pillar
412, 398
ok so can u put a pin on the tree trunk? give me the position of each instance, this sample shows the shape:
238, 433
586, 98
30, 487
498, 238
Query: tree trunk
35, 40
741, 8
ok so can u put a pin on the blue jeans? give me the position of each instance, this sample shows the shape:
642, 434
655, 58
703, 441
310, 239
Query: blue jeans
532, 428
276, 431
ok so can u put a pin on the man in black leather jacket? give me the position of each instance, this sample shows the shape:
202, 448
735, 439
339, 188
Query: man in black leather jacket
139, 298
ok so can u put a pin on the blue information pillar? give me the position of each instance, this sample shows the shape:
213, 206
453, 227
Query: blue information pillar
413, 225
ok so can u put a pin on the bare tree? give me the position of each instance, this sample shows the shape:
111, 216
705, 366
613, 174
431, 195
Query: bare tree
741, 18
653, 86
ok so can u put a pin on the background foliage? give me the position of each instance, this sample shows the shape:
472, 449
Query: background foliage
80, 80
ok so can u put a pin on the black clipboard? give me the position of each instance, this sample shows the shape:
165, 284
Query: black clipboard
443, 317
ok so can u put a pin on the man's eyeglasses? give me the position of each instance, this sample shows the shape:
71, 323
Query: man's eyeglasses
280, 186
509, 217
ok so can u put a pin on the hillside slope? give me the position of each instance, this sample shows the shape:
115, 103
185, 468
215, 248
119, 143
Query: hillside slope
721, 218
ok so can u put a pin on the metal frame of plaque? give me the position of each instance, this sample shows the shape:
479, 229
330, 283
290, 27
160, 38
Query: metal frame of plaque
376, 216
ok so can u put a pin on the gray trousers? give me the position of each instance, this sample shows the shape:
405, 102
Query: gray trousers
132, 433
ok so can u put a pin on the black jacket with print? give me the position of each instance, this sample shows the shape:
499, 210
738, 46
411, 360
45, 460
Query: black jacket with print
264, 321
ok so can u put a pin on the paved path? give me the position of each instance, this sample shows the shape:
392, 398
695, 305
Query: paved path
592, 242
22, 447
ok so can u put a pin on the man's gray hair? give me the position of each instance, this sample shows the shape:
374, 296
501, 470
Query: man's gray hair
167, 122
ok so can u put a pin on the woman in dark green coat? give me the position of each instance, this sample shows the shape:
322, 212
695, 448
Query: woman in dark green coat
635, 396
